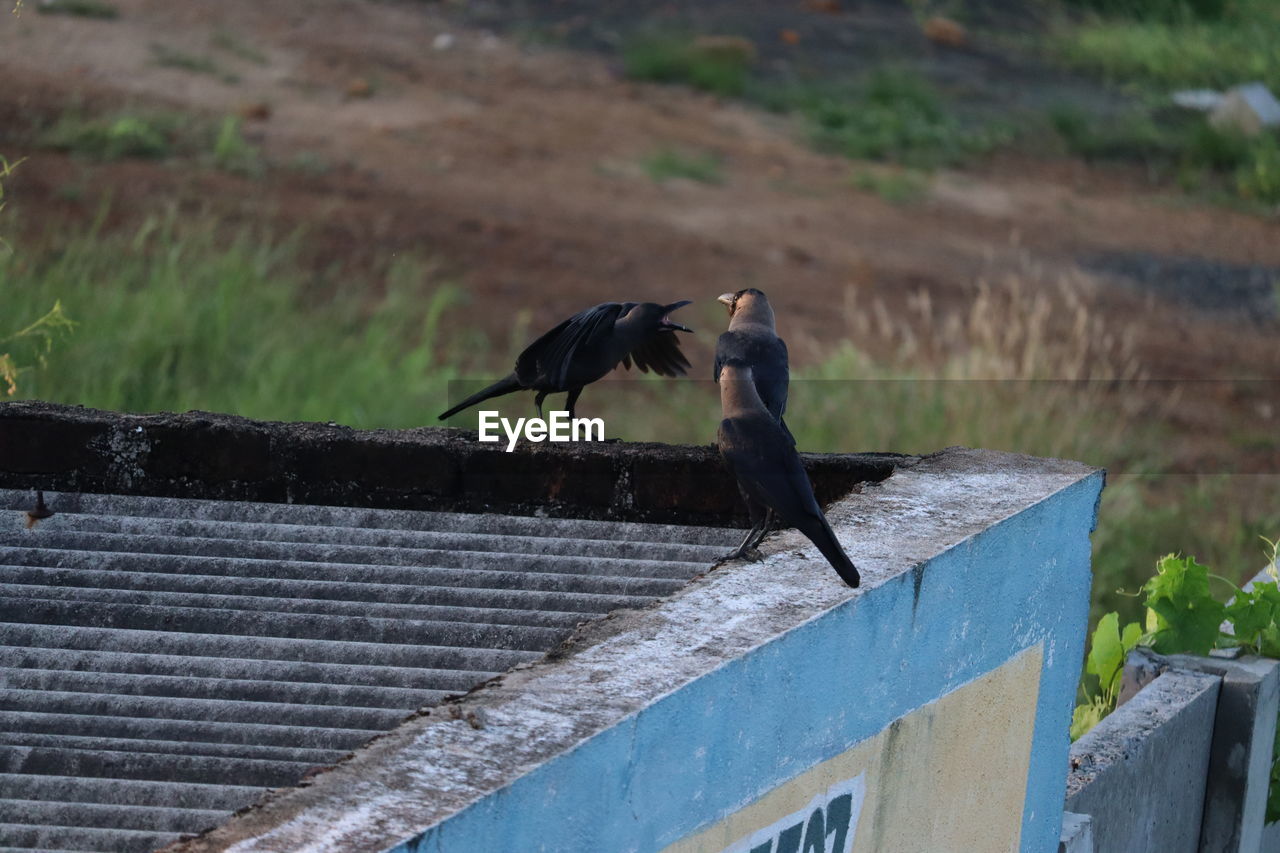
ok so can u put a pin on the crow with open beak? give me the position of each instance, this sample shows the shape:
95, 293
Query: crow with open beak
764, 461
587, 346
753, 340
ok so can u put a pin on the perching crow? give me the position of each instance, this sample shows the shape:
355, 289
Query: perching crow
752, 339
764, 461
588, 345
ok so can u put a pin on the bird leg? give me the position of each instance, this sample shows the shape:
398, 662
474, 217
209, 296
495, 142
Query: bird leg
572, 400
537, 402
766, 527
740, 553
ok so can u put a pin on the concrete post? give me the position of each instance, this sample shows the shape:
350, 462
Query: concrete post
1140, 773
1244, 731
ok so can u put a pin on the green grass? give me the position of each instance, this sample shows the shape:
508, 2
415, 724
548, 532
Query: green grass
113, 137
6, 169
156, 136
1183, 140
1157, 10
1182, 145
78, 8
231, 153
666, 58
175, 319
1258, 178
895, 115
1170, 51
669, 163
897, 186
1157, 46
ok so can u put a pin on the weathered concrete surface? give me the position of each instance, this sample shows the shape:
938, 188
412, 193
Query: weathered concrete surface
1140, 773
223, 457
1077, 833
655, 723
1244, 731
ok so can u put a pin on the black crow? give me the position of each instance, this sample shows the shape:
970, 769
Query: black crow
588, 345
764, 461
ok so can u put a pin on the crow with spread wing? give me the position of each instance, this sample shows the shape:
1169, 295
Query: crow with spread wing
588, 345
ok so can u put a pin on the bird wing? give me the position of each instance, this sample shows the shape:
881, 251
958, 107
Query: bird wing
764, 462
768, 469
659, 352
728, 345
547, 359
772, 384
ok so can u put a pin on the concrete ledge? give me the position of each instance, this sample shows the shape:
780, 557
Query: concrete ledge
707, 716
223, 457
1140, 773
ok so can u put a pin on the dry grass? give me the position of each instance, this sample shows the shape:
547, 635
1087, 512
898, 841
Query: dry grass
1016, 328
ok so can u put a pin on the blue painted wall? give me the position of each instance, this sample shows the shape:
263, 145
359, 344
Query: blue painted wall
728, 738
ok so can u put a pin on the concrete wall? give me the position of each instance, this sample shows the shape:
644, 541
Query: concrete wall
766, 706
224, 457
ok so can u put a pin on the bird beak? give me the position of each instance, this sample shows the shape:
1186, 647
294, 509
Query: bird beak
667, 322
726, 299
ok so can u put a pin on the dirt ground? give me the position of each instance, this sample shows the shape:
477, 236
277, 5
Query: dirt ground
518, 168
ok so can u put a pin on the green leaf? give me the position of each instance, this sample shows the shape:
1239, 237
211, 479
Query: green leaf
1107, 652
1181, 614
1130, 637
1254, 616
1087, 715
1269, 642
1105, 655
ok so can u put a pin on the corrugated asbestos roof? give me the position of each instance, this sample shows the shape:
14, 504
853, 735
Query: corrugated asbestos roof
163, 662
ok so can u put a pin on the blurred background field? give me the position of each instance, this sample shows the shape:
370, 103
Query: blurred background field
981, 222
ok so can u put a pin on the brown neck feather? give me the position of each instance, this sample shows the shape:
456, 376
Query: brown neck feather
752, 310
738, 395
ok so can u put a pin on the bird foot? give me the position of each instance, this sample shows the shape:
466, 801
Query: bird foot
751, 555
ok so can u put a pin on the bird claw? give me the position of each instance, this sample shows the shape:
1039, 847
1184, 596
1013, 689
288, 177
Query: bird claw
751, 555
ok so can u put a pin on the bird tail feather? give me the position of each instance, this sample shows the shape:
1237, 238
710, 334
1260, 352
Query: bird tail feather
825, 539
505, 385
